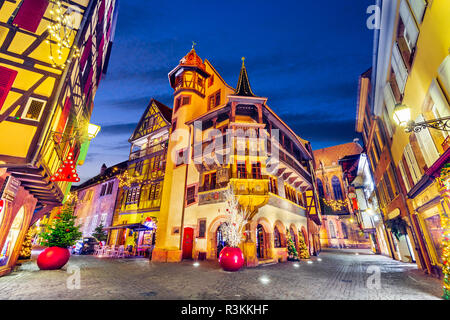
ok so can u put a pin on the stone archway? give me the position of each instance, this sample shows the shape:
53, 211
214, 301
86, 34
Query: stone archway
211, 246
265, 242
294, 235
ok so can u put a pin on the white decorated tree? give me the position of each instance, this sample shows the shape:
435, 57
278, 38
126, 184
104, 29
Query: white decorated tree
233, 228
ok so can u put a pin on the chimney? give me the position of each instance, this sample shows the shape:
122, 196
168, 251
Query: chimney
103, 168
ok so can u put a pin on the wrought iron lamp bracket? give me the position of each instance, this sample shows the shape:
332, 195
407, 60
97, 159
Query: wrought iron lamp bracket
442, 124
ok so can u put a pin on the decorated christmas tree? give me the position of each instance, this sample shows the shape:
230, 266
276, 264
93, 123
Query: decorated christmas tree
292, 251
63, 232
99, 234
25, 252
232, 229
304, 253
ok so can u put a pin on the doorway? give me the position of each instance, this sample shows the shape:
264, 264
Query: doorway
188, 242
260, 244
220, 243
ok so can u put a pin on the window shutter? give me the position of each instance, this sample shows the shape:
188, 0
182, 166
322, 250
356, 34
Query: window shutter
86, 52
444, 74
404, 176
412, 163
30, 14
389, 98
427, 146
64, 115
7, 77
400, 71
411, 32
418, 7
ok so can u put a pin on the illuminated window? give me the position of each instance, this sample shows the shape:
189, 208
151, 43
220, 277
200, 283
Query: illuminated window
34, 109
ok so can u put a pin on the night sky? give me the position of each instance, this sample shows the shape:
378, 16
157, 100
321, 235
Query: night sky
305, 56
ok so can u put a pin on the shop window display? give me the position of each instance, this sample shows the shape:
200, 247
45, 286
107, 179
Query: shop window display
11, 239
434, 229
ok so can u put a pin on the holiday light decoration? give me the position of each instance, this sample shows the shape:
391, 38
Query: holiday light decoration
444, 180
232, 229
61, 32
67, 171
124, 180
335, 205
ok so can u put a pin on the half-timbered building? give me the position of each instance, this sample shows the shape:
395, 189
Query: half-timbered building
225, 138
52, 57
140, 187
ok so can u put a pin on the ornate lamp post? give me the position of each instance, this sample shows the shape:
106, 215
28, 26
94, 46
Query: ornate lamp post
402, 116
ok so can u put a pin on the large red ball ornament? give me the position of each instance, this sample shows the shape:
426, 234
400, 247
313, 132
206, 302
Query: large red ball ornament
231, 259
53, 258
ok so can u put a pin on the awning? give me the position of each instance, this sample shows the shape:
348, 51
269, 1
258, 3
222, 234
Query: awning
133, 226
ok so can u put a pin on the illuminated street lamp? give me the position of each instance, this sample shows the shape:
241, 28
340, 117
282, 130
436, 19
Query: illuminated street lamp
402, 116
93, 130
89, 133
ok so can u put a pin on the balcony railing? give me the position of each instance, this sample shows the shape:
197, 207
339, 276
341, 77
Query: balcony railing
149, 150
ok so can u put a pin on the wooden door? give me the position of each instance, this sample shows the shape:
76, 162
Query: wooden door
188, 241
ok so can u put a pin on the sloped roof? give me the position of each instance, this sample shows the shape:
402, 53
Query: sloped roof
107, 174
243, 87
333, 154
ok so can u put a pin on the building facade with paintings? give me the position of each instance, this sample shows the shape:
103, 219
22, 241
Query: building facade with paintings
334, 166
140, 186
412, 70
223, 137
95, 200
52, 57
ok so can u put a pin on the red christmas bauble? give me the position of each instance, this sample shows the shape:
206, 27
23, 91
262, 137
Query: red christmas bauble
231, 259
53, 258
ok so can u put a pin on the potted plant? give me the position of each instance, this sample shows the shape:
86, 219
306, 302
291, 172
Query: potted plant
231, 257
61, 234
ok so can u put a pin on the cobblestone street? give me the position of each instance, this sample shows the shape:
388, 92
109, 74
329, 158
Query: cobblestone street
334, 275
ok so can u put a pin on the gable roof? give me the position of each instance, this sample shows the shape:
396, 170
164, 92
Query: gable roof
106, 175
164, 110
333, 154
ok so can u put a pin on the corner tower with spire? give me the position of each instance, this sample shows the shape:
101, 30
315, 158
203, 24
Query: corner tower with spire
194, 186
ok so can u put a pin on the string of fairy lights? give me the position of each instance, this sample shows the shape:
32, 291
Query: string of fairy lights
61, 32
445, 225
335, 205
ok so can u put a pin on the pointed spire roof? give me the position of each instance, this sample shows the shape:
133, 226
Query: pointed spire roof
243, 87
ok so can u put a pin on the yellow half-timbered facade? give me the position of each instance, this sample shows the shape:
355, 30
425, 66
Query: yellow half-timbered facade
52, 57
140, 187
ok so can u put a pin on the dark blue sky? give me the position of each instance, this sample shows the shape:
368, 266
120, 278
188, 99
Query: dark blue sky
305, 56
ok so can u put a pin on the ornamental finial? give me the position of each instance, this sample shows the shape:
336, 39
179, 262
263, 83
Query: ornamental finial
193, 45
243, 59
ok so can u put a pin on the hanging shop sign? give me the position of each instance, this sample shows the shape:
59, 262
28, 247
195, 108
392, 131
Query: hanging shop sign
10, 188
